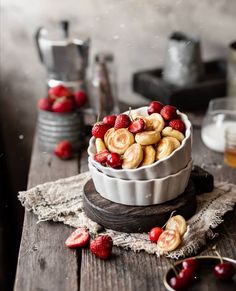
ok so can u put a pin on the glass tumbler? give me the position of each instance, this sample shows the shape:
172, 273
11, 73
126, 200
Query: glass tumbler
221, 114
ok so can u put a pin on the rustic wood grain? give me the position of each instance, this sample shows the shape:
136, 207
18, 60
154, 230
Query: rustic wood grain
44, 262
140, 271
136, 218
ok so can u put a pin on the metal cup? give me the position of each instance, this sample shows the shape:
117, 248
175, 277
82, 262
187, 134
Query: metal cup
183, 63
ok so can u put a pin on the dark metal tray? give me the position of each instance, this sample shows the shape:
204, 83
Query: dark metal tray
193, 97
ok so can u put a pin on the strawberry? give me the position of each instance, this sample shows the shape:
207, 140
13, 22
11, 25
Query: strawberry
122, 121
177, 124
168, 112
58, 91
155, 107
63, 150
114, 160
137, 126
62, 105
101, 157
101, 246
79, 238
110, 119
99, 129
45, 104
80, 98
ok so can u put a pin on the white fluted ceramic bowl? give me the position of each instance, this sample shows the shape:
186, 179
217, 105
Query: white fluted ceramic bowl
175, 162
140, 192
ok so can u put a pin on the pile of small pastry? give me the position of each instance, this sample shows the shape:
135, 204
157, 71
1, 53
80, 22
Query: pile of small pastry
130, 141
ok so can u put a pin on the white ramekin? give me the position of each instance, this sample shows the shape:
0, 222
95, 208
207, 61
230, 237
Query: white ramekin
140, 192
175, 162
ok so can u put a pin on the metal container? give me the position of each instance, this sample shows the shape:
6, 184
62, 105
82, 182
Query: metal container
64, 54
183, 63
55, 127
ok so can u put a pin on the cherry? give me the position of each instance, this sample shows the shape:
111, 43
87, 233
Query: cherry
110, 119
187, 275
191, 264
154, 234
224, 270
155, 107
114, 160
177, 283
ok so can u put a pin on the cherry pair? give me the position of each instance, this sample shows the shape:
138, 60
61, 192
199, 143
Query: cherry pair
185, 276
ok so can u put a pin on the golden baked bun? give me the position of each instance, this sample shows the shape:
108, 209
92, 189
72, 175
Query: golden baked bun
175, 141
119, 140
164, 148
147, 137
149, 155
168, 241
107, 135
133, 156
169, 131
155, 122
100, 146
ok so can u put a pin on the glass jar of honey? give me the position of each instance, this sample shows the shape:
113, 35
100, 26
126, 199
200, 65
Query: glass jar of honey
230, 146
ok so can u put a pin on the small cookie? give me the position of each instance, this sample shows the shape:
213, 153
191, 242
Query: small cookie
133, 156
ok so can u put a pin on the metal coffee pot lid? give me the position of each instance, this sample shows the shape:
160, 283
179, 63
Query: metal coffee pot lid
63, 52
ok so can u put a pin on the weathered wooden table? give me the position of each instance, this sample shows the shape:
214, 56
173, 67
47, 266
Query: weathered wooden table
46, 264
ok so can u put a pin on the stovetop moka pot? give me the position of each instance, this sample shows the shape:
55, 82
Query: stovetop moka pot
64, 54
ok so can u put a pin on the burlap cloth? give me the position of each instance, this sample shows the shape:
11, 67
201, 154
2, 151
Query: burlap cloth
62, 201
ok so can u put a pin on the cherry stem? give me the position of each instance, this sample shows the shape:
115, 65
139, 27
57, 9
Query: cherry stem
218, 254
172, 213
98, 118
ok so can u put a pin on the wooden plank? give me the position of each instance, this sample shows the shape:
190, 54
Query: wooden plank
44, 262
125, 271
140, 271
214, 163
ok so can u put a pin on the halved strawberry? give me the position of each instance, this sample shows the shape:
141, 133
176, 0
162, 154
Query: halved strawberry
58, 91
101, 246
101, 157
62, 105
137, 126
79, 238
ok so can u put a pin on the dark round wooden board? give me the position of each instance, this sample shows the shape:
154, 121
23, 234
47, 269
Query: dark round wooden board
136, 218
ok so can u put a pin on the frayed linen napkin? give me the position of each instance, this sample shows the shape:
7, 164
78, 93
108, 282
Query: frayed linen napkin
62, 201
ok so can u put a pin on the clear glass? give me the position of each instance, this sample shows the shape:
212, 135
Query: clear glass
230, 146
220, 115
